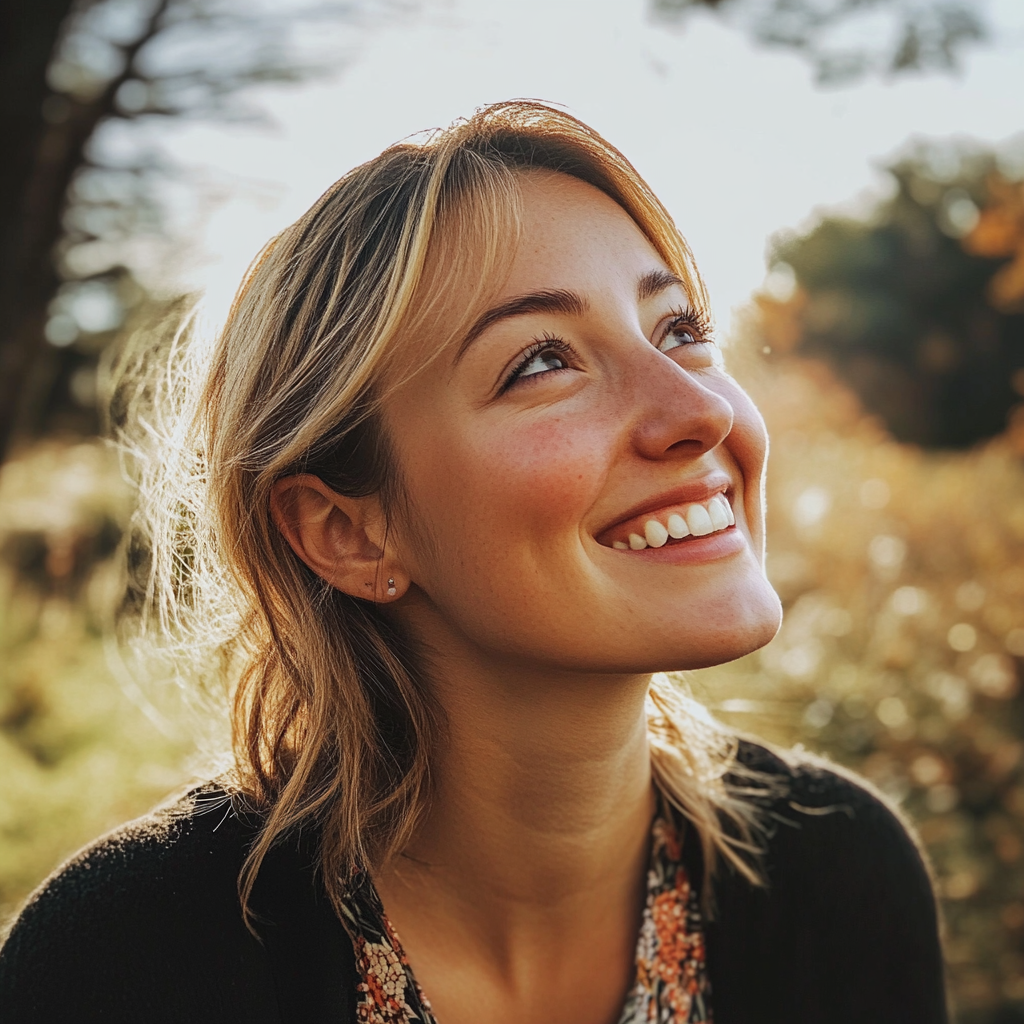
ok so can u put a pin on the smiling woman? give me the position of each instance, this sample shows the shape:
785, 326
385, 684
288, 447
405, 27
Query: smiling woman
471, 480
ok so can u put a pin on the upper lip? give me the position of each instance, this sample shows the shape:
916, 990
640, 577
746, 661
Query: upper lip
694, 492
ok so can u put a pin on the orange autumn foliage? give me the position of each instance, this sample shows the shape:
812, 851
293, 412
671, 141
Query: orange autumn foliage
999, 233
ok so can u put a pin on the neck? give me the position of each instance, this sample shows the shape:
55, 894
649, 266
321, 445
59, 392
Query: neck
541, 797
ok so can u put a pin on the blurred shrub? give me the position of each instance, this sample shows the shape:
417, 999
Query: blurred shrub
902, 574
919, 305
82, 747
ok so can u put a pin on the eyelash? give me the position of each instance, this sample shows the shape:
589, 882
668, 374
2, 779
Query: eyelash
548, 343
695, 319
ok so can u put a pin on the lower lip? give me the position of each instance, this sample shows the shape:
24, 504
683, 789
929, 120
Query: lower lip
694, 550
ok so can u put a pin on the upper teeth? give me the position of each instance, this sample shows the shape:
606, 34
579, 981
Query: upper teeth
699, 520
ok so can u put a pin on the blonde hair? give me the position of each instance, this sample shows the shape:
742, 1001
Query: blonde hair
333, 725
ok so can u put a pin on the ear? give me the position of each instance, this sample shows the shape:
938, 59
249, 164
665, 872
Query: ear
341, 539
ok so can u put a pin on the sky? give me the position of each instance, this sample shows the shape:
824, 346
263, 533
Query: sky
736, 139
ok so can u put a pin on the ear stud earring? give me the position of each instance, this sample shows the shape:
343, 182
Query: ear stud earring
391, 587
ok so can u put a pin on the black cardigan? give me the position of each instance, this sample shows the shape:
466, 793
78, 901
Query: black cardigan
145, 924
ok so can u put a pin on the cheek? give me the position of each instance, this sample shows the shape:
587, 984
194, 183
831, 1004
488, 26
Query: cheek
748, 445
548, 472
749, 435
475, 491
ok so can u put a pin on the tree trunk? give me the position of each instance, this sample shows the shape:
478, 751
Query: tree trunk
44, 138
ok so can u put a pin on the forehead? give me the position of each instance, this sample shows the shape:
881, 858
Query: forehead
549, 232
571, 231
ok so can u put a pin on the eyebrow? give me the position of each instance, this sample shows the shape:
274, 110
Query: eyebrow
559, 300
656, 281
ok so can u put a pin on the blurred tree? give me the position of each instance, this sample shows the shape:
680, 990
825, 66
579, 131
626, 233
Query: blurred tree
917, 306
999, 233
71, 71
846, 39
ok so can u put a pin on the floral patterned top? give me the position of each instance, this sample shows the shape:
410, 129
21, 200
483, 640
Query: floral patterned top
671, 971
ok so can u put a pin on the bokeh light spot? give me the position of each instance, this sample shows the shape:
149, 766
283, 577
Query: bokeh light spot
811, 506
962, 637
892, 712
818, 713
927, 770
908, 601
994, 676
887, 552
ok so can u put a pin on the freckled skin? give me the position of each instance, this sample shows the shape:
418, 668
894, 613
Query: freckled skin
508, 491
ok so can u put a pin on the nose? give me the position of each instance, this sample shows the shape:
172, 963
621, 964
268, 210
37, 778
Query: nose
675, 412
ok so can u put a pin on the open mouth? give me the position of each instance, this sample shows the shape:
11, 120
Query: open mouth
671, 524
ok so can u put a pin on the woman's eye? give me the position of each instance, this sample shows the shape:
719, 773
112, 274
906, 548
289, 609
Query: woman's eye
543, 356
678, 335
542, 362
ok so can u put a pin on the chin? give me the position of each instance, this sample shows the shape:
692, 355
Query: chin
734, 628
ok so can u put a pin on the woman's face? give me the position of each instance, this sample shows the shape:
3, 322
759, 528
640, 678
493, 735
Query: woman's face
583, 478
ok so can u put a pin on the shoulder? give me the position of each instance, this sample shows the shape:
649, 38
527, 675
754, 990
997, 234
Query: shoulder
845, 927
178, 854
823, 820
147, 915
197, 832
